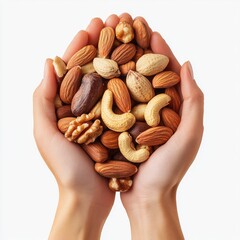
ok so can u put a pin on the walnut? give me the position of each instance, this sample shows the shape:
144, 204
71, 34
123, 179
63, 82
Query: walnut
120, 184
83, 130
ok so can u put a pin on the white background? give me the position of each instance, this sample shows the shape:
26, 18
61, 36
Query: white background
206, 32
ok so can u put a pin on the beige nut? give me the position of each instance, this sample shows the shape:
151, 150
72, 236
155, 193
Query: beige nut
138, 111
88, 68
60, 67
124, 32
153, 107
96, 110
115, 122
129, 152
120, 184
151, 64
107, 68
139, 86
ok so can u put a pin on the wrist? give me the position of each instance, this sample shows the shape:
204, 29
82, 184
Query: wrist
155, 219
77, 217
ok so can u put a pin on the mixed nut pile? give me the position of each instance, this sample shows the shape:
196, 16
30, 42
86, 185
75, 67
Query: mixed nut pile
117, 101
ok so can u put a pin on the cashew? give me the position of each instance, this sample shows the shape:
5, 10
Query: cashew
151, 114
129, 152
115, 122
138, 111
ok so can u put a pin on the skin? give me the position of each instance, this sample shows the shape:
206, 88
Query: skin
84, 198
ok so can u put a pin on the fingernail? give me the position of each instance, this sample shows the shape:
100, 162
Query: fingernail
190, 69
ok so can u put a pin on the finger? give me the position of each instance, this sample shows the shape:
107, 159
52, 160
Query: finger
79, 41
43, 101
158, 45
192, 106
112, 21
126, 17
93, 30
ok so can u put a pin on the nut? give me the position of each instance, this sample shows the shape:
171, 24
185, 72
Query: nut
60, 68
138, 128
88, 94
170, 118
83, 56
58, 102
124, 32
120, 184
125, 68
96, 151
70, 84
115, 122
175, 102
138, 111
141, 33
63, 123
88, 68
64, 111
139, 86
138, 54
110, 139
120, 94
96, 110
153, 107
165, 79
81, 130
116, 169
129, 152
124, 53
151, 63
105, 43
154, 136
106, 68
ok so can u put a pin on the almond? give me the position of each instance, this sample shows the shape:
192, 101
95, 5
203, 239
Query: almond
170, 118
141, 34
96, 151
125, 68
64, 111
70, 84
165, 79
154, 136
138, 53
105, 43
120, 94
138, 128
116, 169
83, 56
175, 102
64, 123
124, 53
110, 139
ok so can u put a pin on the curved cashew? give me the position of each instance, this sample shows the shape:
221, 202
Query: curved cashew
115, 122
129, 152
151, 113
138, 111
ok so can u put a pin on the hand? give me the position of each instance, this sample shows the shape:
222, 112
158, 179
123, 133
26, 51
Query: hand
84, 197
151, 204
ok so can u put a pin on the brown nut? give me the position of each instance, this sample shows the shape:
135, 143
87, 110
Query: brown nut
110, 139
125, 68
116, 169
175, 102
96, 151
165, 79
138, 128
120, 184
88, 94
64, 123
141, 33
70, 84
64, 111
170, 118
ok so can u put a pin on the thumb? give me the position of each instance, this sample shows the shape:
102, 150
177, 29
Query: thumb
192, 106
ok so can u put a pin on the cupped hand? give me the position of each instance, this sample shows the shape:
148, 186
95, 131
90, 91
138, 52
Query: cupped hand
163, 171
